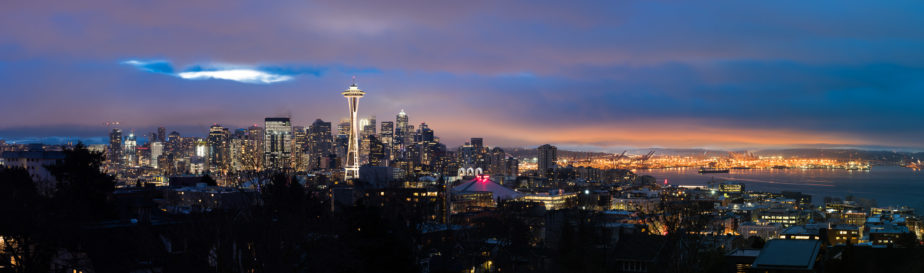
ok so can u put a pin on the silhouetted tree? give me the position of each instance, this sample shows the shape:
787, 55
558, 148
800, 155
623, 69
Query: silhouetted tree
25, 246
83, 191
208, 180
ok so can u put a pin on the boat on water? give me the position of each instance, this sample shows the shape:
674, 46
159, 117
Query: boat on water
915, 165
712, 170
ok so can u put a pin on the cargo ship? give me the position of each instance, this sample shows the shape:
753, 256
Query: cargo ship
712, 170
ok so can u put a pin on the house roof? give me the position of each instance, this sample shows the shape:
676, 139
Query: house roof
788, 254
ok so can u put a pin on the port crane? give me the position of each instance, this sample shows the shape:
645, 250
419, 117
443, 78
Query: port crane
620, 156
743, 156
645, 157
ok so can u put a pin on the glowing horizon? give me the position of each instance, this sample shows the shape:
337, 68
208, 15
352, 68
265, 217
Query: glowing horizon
594, 74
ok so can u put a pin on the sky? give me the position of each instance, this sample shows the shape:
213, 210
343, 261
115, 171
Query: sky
583, 74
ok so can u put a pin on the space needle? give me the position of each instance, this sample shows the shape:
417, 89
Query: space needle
351, 165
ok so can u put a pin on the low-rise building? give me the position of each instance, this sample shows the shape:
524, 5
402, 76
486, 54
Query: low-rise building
34, 160
843, 234
783, 216
203, 198
783, 255
886, 234
764, 231
552, 201
802, 232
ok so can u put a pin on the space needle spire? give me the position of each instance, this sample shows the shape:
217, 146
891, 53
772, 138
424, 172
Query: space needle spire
351, 164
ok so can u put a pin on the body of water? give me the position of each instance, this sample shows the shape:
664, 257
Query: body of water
888, 185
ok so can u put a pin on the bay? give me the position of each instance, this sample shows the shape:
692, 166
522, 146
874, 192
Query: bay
888, 185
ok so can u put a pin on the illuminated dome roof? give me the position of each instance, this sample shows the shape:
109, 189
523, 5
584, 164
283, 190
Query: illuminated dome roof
484, 184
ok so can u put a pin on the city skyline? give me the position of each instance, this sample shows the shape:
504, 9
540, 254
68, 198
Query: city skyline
594, 77
492, 136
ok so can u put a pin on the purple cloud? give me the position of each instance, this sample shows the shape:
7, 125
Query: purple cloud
508, 69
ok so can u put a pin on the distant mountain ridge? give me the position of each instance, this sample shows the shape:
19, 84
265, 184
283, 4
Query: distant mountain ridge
838, 154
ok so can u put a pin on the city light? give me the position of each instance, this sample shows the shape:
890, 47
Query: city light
586, 136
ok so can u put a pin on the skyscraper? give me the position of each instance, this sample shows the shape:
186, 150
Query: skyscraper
320, 143
219, 145
367, 128
401, 131
386, 135
343, 127
238, 150
115, 146
351, 164
277, 143
376, 151
425, 133
497, 164
161, 134
477, 142
548, 156
157, 149
427, 147
473, 154
299, 148
128, 150
387, 132
253, 157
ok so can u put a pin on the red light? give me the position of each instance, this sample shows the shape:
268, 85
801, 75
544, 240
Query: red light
665, 181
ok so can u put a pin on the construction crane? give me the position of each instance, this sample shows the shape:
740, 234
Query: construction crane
620, 156
742, 155
645, 157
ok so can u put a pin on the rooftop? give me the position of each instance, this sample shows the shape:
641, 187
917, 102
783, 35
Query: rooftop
788, 254
744, 253
487, 185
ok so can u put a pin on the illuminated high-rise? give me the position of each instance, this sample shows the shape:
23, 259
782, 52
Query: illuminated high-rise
367, 129
157, 149
253, 157
386, 135
400, 141
129, 150
376, 151
320, 143
299, 148
277, 143
237, 147
343, 127
401, 126
219, 146
115, 146
367, 125
351, 162
548, 157
387, 132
